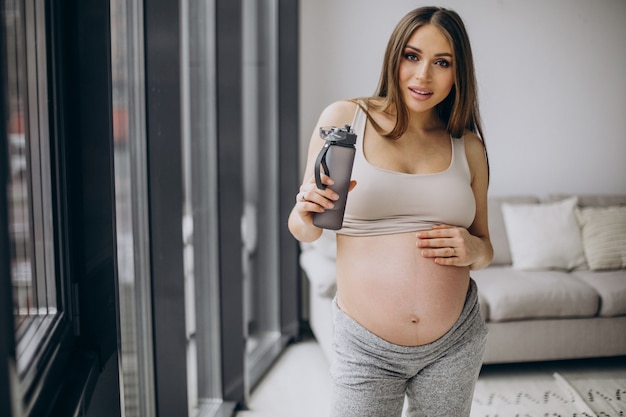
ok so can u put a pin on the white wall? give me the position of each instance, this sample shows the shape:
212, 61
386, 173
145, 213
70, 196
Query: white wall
551, 75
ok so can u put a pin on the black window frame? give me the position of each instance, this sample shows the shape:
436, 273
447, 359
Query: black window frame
42, 357
83, 339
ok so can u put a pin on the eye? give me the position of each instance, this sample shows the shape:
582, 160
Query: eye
443, 63
411, 56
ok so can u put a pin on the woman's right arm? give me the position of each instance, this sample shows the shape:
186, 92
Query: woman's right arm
311, 199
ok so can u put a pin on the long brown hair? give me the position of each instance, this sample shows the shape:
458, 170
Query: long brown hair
459, 111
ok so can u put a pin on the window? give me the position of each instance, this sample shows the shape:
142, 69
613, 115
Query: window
36, 292
135, 337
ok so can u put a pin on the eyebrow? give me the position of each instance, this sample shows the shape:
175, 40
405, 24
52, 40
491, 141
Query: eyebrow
441, 54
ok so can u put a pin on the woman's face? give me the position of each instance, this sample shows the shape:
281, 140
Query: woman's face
426, 69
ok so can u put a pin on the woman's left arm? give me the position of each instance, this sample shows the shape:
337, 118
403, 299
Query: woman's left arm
457, 246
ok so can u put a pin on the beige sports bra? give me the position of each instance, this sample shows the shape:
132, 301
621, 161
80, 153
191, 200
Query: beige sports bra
386, 202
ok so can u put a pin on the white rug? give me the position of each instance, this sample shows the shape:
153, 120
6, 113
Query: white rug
550, 398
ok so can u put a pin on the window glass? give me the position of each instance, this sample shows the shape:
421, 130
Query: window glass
261, 158
29, 191
200, 217
129, 136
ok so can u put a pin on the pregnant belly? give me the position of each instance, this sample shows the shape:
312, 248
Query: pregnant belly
390, 289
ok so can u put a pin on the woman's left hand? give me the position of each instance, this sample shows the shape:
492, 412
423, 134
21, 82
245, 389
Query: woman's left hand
450, 245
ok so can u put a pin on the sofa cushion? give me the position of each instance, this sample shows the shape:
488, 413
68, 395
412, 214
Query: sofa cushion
317, 259
512, 294
483, 306
591, 200
544, 236
603, 231
326, 244
611, 285
321, 272
497, 230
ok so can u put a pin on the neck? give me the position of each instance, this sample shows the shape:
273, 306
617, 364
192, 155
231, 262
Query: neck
424, 122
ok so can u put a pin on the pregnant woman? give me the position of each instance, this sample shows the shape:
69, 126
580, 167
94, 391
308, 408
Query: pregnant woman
406, 313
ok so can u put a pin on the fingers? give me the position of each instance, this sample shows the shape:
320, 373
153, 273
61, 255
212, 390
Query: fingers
310, 198
441, 236
325, 179
448, 252
439, 230
310, 201
446, 244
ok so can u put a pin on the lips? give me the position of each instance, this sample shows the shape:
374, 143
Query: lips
421, 91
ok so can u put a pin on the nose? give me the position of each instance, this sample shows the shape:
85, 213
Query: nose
422, 72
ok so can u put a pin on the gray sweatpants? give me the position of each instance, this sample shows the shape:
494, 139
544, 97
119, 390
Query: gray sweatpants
372, 376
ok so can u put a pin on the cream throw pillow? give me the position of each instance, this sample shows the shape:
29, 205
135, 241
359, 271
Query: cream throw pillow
544, 236
604, 236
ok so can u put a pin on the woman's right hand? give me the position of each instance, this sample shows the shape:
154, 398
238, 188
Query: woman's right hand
311, 199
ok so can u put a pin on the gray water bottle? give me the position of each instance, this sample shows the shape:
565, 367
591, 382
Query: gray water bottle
336, 159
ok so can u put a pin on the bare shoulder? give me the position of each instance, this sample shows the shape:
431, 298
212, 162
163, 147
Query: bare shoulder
473, 143
338, 113
474, 146
475, 152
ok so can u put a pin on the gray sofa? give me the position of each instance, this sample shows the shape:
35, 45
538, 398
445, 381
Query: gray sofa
535, 311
